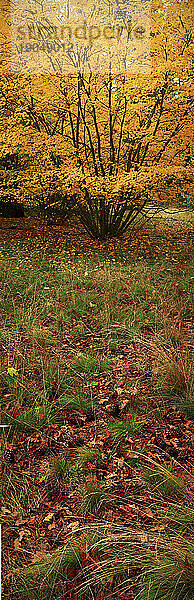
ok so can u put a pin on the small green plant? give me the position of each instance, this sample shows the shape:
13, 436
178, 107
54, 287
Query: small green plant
176, 377
120, 429
37, 418
58, 475
44, 580
78, 403
94, 497
89, 454
163, 480
91, 364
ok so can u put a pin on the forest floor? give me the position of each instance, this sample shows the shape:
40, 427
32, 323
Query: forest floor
96, 388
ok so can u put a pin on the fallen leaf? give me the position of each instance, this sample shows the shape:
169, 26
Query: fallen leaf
51, 526
22, 533
6, 511
124, 402
148, 513
119, 390
39, 556
16, 544
11, 371
48, 517
73, 526
20, 521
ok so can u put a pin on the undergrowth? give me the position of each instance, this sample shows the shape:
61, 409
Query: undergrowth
96, 385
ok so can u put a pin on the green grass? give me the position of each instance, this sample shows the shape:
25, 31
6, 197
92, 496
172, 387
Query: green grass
88, 454
179, 518
160, 567
120, 429
75, 327
35, 419
175, 370
58, 475
91, 364
164, 481
95, 497
78, 403
43, 581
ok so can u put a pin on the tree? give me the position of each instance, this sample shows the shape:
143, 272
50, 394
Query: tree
111, 142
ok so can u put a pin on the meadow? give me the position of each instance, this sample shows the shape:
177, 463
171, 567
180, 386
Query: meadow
96, 388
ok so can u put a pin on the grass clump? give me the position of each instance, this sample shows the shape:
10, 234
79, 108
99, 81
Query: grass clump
170, 577
120, 429
124, 561
89, 454
46, 579
178, 518
94, 497
42, 337
176, 377
146, 566
163, 481
77, 403
37, 418
58, 475
91, 364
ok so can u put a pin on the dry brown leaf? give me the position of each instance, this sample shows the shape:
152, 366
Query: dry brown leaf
52, 526
20, 521
148, 513
39, 556
16, 544
21, 534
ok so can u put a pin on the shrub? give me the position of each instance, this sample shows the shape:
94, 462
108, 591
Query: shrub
55, 207
104, 218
